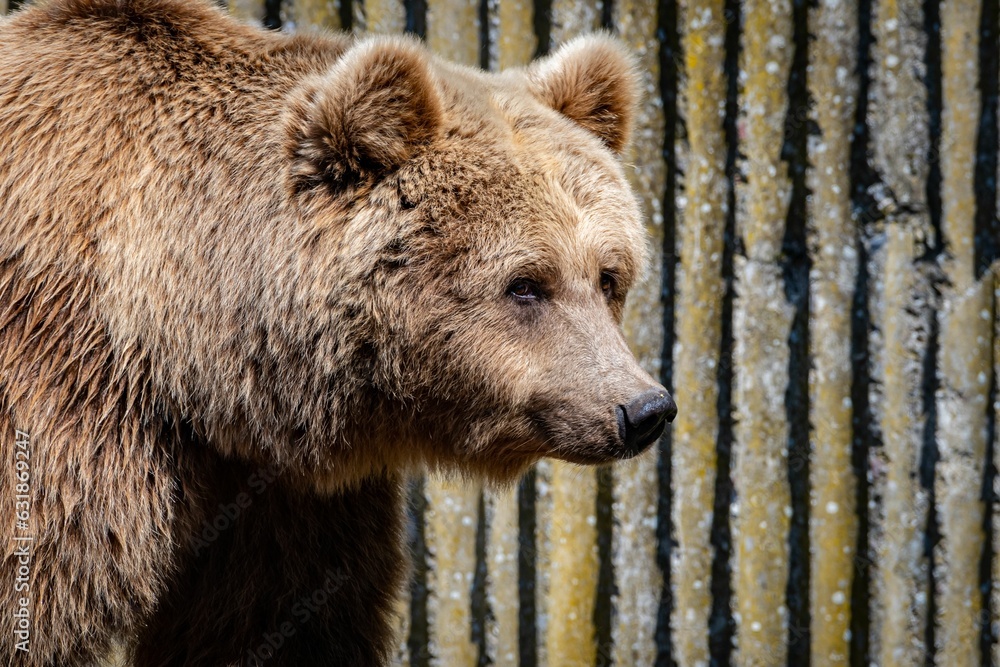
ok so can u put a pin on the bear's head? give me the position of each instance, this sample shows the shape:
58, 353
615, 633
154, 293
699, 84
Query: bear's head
486, 239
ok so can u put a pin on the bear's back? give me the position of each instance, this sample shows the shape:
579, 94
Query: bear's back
101, 100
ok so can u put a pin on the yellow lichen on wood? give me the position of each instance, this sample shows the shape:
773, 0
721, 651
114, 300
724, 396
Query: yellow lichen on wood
762, 321
401, 656
702, 222
900, 142
833, 246
246, 10
898, 112
380, 16
572, 563
964, 367
761, 514
764, 66
959, 127
513, 30
900, 576
571, 18
313, 14
453, 30
995, 565
452, 513
570, 587
964, 373
502, 551
543, 549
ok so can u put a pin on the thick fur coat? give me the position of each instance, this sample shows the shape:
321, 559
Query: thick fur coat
250, 280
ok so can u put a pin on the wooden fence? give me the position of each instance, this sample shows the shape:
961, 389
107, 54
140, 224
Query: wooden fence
819, 182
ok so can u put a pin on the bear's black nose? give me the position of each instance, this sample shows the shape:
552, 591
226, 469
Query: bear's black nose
642, 420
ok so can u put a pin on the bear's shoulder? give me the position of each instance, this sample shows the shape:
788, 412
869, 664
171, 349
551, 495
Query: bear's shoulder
128, 16
191, 33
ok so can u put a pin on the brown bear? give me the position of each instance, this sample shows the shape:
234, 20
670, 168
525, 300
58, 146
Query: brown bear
249, 281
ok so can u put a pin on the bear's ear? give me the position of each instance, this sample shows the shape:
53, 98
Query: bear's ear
593, 81
369, 114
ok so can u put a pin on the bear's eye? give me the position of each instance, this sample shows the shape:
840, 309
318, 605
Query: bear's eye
524, 290
608, 284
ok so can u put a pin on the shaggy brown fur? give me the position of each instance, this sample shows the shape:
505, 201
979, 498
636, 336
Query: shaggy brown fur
248, 280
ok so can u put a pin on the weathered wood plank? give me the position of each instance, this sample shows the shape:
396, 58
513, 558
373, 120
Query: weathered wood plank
964, 375
964, 361
902, 311
995, 565
702, 209
957, 145
512, 33
452, 511
502, 578
833, 247
380, 16
900, 141
246, 10
453, 30
312, 14
762, 320
401, 656
544, 511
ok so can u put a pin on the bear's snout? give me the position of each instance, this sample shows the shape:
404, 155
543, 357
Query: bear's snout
642, 420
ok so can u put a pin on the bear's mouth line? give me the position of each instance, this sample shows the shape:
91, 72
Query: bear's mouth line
614, 451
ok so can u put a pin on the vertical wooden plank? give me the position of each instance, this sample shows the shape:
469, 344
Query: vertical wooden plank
401, 656
380, 16
700, 290
311, 14
995, 565
903, 314
898, 111
762, 320
245, 10
571, 18
572, 567
452, 511
544, 511
570, 580
512, 44
512, 33
452, 32
964, 375
638, 578
502, 578
833, 247
900, 143
965, 350
959, 126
